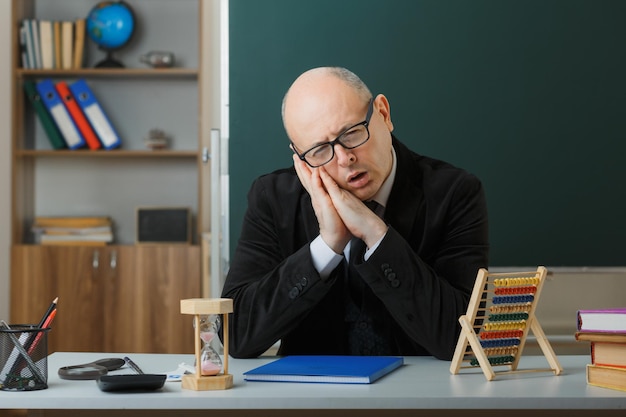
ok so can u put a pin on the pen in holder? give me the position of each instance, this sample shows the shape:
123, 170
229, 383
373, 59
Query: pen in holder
23, 357
211, 371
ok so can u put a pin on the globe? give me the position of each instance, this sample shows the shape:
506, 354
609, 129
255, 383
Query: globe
110, 24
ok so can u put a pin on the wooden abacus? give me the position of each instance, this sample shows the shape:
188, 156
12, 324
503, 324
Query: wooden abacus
199, 307
499, 316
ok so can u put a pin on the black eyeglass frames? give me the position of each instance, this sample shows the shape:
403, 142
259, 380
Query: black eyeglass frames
351, 138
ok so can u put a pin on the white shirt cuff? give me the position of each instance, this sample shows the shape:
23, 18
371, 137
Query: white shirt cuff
325, 260
371, 250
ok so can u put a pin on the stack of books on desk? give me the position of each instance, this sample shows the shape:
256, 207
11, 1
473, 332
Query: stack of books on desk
605, 329
96, 230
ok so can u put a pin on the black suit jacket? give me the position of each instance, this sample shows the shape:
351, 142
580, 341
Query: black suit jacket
420, 278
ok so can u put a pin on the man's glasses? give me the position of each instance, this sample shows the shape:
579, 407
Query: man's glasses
351, 138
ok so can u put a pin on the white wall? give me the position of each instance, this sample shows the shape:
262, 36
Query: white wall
5, 154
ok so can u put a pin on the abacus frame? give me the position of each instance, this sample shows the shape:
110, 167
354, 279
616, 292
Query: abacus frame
475, 324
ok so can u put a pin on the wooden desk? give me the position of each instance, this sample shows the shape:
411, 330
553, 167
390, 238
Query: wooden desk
423, 386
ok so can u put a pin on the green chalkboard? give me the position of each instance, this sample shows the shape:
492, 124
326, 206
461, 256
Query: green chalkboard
528, 95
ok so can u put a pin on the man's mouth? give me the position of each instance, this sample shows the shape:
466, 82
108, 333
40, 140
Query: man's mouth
357, 180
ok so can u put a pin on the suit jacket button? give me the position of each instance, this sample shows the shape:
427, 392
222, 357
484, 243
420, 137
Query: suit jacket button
294, 293
395, 283
391, 276
384, 266
304, 281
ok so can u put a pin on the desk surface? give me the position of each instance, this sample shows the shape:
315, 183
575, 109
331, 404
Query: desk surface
422, 383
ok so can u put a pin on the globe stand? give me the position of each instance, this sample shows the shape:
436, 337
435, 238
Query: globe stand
109, 61
199, 307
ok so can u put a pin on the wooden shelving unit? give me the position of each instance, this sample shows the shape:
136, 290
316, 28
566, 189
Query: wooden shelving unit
145, 283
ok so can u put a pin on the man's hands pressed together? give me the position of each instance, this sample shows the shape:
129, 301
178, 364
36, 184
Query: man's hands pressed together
341, 215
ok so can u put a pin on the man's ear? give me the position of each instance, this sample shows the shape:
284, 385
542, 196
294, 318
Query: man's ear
381, 105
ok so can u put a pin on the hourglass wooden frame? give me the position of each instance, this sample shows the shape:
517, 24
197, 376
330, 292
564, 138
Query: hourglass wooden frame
200, 307
500, 313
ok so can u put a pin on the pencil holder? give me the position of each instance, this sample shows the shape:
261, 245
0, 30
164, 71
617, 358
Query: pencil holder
23, 358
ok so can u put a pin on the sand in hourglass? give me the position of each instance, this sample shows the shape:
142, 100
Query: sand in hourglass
208, 367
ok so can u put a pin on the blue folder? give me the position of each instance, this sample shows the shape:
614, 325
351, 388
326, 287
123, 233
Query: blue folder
326, 369
95, 114
51, 99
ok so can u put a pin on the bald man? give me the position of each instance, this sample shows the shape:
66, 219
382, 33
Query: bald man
362, 247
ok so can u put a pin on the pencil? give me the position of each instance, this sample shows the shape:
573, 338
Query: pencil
30, 343
49, 319
48, 312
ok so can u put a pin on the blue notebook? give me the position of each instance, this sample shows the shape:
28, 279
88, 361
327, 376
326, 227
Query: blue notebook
327, 369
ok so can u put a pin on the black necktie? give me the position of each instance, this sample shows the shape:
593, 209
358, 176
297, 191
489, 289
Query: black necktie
376, 208
362, 338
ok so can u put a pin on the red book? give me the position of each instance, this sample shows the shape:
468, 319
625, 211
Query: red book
78, 116
608, 354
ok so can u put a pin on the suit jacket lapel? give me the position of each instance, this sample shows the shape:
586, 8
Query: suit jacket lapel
406, 201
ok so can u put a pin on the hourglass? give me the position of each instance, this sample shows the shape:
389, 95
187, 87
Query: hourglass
210, 374
210, 361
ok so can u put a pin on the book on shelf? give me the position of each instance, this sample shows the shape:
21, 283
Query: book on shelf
52, 44
46, 43
73, 230
67, 44
79, 43
78, 117
29, 45
53, 103
47, 122
606, 377
72, 221
56, 30
34, 28
75, 243
23, 45
325, 369
94, 112
602, 320
95, 238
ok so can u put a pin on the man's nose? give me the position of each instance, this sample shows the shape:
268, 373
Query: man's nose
344, 156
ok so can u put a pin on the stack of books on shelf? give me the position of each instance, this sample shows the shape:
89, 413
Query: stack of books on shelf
71, 115
605, 329
47, 44
67, 230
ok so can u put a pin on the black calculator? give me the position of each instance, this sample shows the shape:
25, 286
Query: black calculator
131, 382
